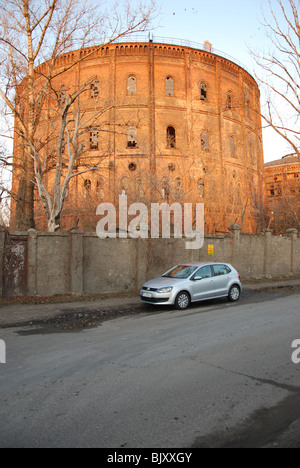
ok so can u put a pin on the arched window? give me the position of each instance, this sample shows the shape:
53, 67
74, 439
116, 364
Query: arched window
87, 187
230, 192
248, 108
256, 196
200, 187
239, 194
178, 183
251, 153
204, 141
63, 95
87, 184
171, 137
229, 100
165, 191
124, 185
203, 91
169, 84
100, 187
178, 187
131, 85
140, 188
232, 147
94, 140
131, 137
95, 86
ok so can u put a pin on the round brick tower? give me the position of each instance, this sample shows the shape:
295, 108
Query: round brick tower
179, 124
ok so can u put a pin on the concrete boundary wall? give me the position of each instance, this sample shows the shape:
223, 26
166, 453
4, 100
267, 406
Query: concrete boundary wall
76, 262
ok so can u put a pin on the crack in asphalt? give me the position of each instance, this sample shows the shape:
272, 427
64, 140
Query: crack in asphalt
274, 383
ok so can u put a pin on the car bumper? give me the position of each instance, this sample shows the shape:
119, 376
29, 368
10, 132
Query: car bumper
156, 298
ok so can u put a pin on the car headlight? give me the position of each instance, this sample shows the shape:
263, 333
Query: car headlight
165, 290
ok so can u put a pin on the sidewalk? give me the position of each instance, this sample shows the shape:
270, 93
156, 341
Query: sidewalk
14, 314
271, 285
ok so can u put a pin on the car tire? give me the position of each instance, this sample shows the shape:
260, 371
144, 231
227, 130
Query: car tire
182, 300
234, 293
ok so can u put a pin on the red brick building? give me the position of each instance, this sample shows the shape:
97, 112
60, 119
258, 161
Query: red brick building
179, 124
282, 182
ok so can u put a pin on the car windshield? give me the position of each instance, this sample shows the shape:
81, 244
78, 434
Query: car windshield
181, 271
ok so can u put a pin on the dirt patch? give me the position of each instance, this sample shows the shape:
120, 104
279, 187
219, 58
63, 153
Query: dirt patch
76, 321
283, 289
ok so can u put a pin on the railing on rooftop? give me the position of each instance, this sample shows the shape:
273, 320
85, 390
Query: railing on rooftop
179, 42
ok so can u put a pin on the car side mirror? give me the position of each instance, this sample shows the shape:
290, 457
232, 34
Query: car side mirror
197, 278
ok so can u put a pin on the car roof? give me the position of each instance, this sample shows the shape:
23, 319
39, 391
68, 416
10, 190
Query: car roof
196, 263
203, 263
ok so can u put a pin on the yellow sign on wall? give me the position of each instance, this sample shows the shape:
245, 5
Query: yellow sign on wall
210, 250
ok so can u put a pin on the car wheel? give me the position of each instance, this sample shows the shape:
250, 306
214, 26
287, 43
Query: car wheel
234, 293
182, 300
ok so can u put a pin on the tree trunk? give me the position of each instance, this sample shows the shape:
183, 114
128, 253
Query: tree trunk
26, 203
52, 225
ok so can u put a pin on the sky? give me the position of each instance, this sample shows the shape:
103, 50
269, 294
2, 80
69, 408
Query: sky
233, 27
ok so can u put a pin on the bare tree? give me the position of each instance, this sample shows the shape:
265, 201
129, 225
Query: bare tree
63, 150
34, 32
284, 206
5, 182
280, 70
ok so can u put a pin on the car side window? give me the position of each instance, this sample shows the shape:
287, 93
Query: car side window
204, 272
220, 270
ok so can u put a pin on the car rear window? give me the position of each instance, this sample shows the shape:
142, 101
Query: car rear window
220, 270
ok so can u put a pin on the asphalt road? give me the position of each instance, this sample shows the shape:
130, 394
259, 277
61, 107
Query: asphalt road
217, 375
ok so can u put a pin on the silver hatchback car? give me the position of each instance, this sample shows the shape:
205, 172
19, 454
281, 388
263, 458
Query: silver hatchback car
192, 282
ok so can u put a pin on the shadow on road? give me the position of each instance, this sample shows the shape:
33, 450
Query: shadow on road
275, 427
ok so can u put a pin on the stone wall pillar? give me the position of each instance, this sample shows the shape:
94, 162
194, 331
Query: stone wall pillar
32, 263
268, 234
2, 247
293, 233
236, 231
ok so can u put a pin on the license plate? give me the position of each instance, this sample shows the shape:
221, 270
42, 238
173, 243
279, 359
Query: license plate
145, 294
